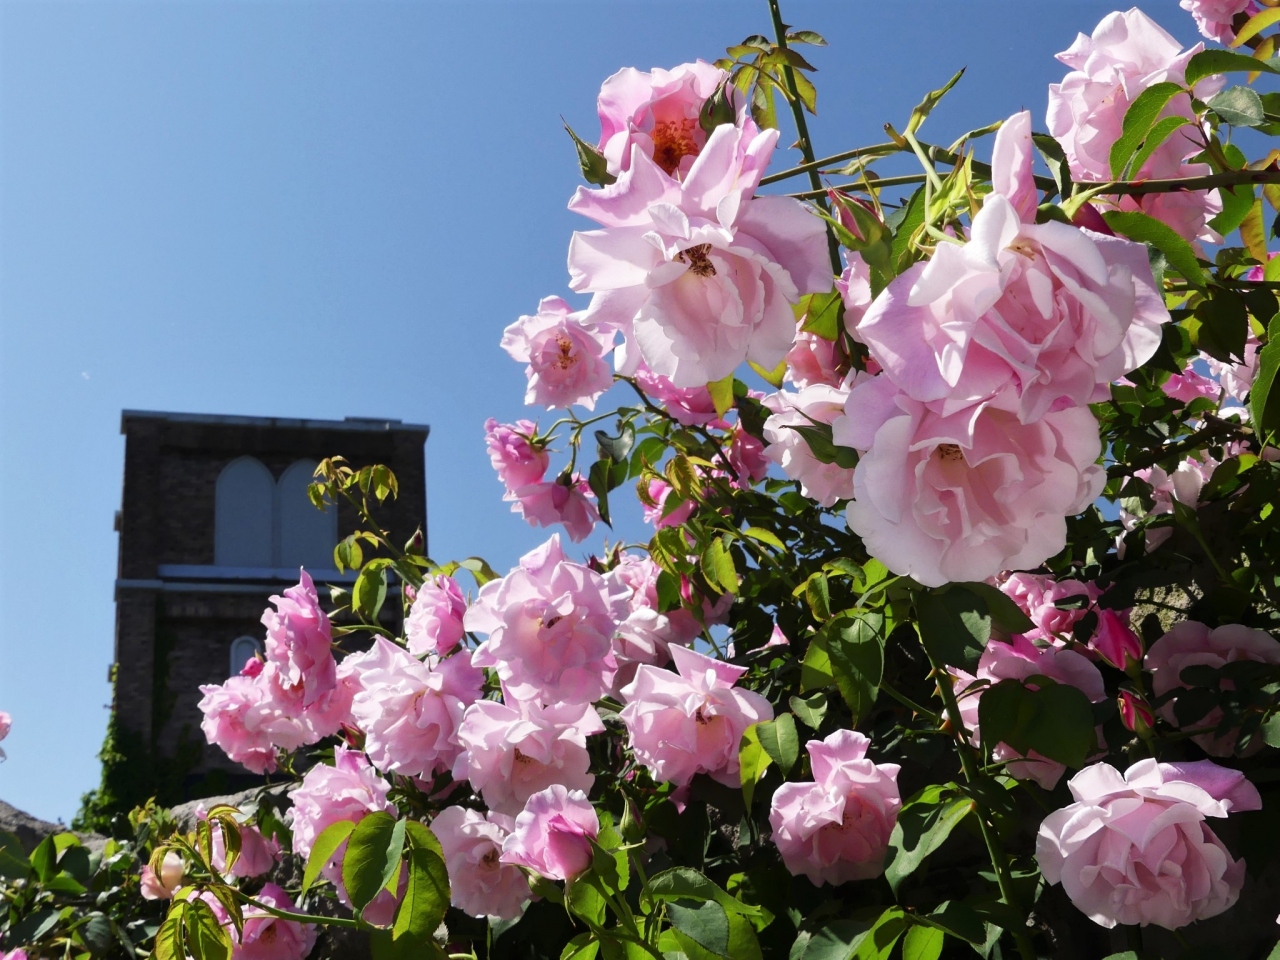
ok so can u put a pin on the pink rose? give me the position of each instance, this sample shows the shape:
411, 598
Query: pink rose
162, 887
250, 716
691, 406
657, 114
551, 834
565, 356
299, 641
435, 619
643, 634
815, 404
517, 462
690, 722
1037, 596
1135, 713
18, 954
266, 937
747, 460
1237, 378
1127, 53
510, 753
550, 628
258, 854
836, 828
548, 503
1190, 644
347, 790
1030, 317
1215, 18
5, 723
410, 710
1183, 485
659, 492
479, 883
1019, 660
1189, 385
699, 275
1136, 850
1115, 640
963, 497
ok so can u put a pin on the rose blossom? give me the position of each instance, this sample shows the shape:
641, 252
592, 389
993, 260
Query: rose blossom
643, 634
516, 461
1032, 317
435, 619
547, 503
1237, 378
550, 628
813, 360
836, 828
258, 854
551, 834
162, 887
299, 641
788, 448
1215, 18
1115, 640
18, 954
963, 497
410, 710
1127, 53
347, 790
1190, 385
1190, 644
1038, 597
691, 406
1183, 485
564, 354
510, 753
699, 275
479, 884
659, 492
747, 460
6, 722
1019, 660
249, 717
266, 937
656, 113
690, 722
1136, 850
1135, 712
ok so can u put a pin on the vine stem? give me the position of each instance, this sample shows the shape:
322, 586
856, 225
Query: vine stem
1216, 428
802, 133
299, 917
999, 863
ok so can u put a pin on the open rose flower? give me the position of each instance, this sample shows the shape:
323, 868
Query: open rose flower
1038, 597
1189, 644
547, 503
435, 619
163, 885
963, 497
792, 413
836, 828
1136, 849
251, 717
699, 275
690, 722
552, 834
480, 885
268, 937
1216, 18
517, 462
659, 514
644, 635
258, 854
300, 642
564, 354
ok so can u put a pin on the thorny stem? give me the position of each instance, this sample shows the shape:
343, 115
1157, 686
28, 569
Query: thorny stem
999, 863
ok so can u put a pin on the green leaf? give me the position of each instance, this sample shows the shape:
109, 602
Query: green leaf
44, 860
958, 919
779, 739
96, 933
1264, 398
616, 448
585, 902
753, 761
1128, 954
366, 861
1138, 120
1138, 226
169, 942
685, 883
1206, 63
923, 943
323, 849
595, 169
606, 475
1056, 160
1236, 203
370, 590
1238, 106
14, 864
817, 593
1006, 615
707, 924
718, 568
815, 670
395, 850
582, 947
955, 625
931, 100
905, 222
823, 448
924, 823
824, 315
206, 938
835, 940
722, 394
857, 660
878, 942
1055, 720
1157, 135
764, 536
1220, 326
811, 709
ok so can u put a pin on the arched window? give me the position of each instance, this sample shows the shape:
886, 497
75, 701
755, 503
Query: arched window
242, 650
307, 535
243, 528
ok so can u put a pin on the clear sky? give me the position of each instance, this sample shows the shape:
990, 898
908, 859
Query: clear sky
332, 209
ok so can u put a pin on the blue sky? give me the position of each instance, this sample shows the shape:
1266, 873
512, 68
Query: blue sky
327, 210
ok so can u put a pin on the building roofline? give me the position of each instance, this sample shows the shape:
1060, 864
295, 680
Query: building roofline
366, 424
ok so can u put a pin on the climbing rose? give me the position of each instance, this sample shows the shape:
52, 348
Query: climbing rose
266, 937
816, 404
550, 629
510, 753
479, 884
699, 276
836, 828
551, 834
1115, 640
517, 462
1190, 644
347, 790
813, 359
162, 887
249, 717
258, 854
1136, 850
300, 643
643, 634
1215, 18
659, 492
547, 503
410, 710
565, 356
435, 619
1029, 317
1237, 378
1038, 597
656, 113
1190, 385
690, 722
691, 406
963, 497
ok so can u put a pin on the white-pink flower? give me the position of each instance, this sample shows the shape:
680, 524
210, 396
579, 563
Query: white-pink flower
836, 827
479, 884
643, 634
660, 514
268, 937
410, 710
813, 406
1136, 849
691, 406
299, 641
251, 715
1038, 597
550, 629
690, 722
553, 834
963, 497
547, 503
1237, 378
434, 624
512, 752
517, 462
1215, 18
565, 356
699, 275
347, 790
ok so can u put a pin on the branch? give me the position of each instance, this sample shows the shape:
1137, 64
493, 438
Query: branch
1229, 178
1215, 428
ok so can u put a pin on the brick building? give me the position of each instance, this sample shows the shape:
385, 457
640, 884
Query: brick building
214, 520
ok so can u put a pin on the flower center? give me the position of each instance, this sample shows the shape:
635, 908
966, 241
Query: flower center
564, 356
950, 452
1024, 247
522, 757
698, 259
672, 142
